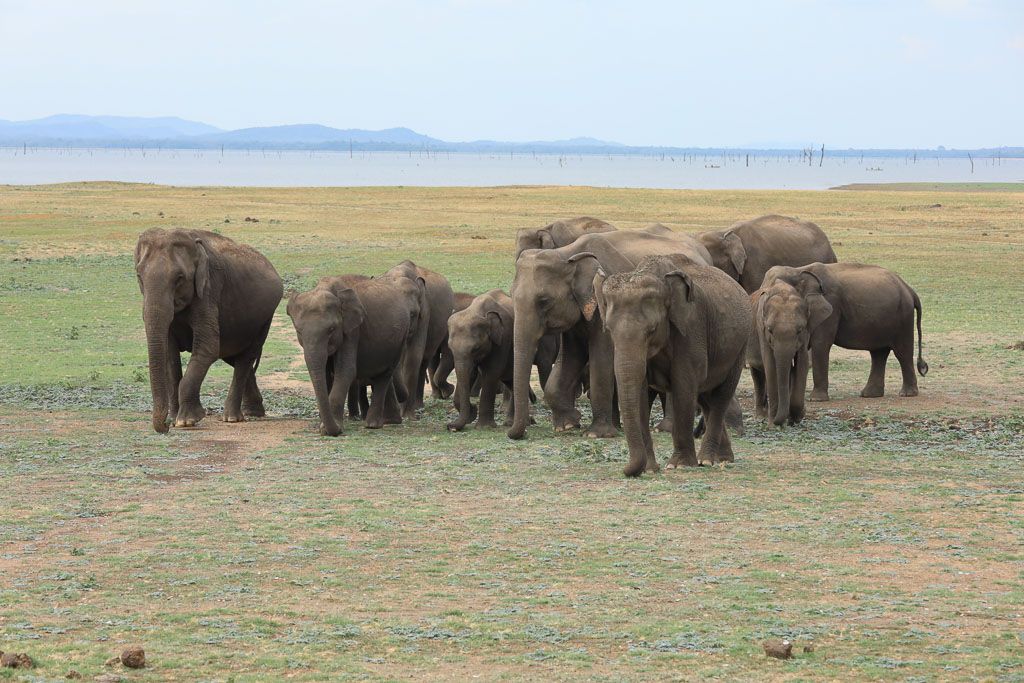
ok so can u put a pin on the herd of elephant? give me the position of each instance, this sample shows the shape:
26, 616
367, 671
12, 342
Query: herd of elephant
626, 316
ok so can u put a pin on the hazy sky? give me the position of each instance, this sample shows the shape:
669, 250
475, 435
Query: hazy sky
846, 73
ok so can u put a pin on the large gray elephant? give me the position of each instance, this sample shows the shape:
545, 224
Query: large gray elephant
354, 333
429, 340
553, 293
681, 327
852, 305
559, 233
480, 337
748, 249
209, 295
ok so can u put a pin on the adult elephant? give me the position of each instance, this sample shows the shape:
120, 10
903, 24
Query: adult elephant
748, 249
852, 305
553, 293
425, 349
207, 294
685, 327
354, 333
559, 233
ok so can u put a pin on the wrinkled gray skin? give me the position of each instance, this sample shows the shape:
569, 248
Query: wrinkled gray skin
207, 294
480, 337
559, 233
553, 293
440, 387
686, 326
429, 340
748, 249
852, 305
355, 335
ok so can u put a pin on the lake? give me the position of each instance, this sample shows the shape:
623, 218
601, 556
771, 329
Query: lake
19, 166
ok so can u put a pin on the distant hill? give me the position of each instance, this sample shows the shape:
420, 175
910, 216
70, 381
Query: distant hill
74, 127
312, 134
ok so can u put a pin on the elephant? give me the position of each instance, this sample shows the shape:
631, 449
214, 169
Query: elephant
553, 293
480, 337
685, 325
851, 305
356, 334
207, 294
439, 385
749, 248
559, 233
429, 339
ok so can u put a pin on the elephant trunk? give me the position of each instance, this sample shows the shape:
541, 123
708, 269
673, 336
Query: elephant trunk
525, 339
631, 378
783, 377
463, 390
316, 363
157, 317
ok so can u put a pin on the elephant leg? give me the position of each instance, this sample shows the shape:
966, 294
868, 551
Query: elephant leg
239, 380
684, 409
904, 352
252, 399
734, 417
392, 409
715, 446
190, 409
510, 406
488, 392
819, 370
562, 383
760, 392
617, 418
876, 380
602, 386
353, 401
666, 411
174, 370
382, 391
440, 387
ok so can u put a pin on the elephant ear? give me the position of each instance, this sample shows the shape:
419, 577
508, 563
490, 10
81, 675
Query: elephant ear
680, 297
585, 266
497, 327
818, 307
352, 311
202, 277
546, 240
735, 250
599, 277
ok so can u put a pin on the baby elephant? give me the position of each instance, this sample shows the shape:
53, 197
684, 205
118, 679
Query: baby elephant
852, 305
355, 333
682, 327
480, 338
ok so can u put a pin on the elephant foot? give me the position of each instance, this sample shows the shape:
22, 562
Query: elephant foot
443, 392
234, 418
908, 391
189, 416
602, 431
254, 411
566, 426
486, 424
818, 396
872, 392
374, 424
680, 460
392, 419
455, 427
664, 426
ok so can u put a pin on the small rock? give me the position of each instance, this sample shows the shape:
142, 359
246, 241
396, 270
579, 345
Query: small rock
809, 647
779, 649
134, 657
73, 675
16, 660
108, 678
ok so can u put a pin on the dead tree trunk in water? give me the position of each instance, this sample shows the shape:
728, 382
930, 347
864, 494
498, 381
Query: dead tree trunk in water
822, 159
972, 162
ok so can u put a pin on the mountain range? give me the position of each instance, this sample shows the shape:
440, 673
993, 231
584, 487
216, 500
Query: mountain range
77, 130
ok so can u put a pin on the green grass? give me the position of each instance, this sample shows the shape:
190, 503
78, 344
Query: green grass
934, 187
887, 532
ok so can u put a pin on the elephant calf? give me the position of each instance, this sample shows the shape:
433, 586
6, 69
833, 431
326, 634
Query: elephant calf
353, 335
852, 305
480, 337
677, 326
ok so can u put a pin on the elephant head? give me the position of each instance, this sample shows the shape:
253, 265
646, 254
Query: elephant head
173, 268
727, 251
473, 335
533, 238
550, 293
323, 317
639, 309
787, 310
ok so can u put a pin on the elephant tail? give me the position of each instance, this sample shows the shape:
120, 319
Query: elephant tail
922, 367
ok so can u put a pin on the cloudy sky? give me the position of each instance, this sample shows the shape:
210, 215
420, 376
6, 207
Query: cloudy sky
846, 73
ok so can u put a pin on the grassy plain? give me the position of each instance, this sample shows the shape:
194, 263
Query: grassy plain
889, 532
